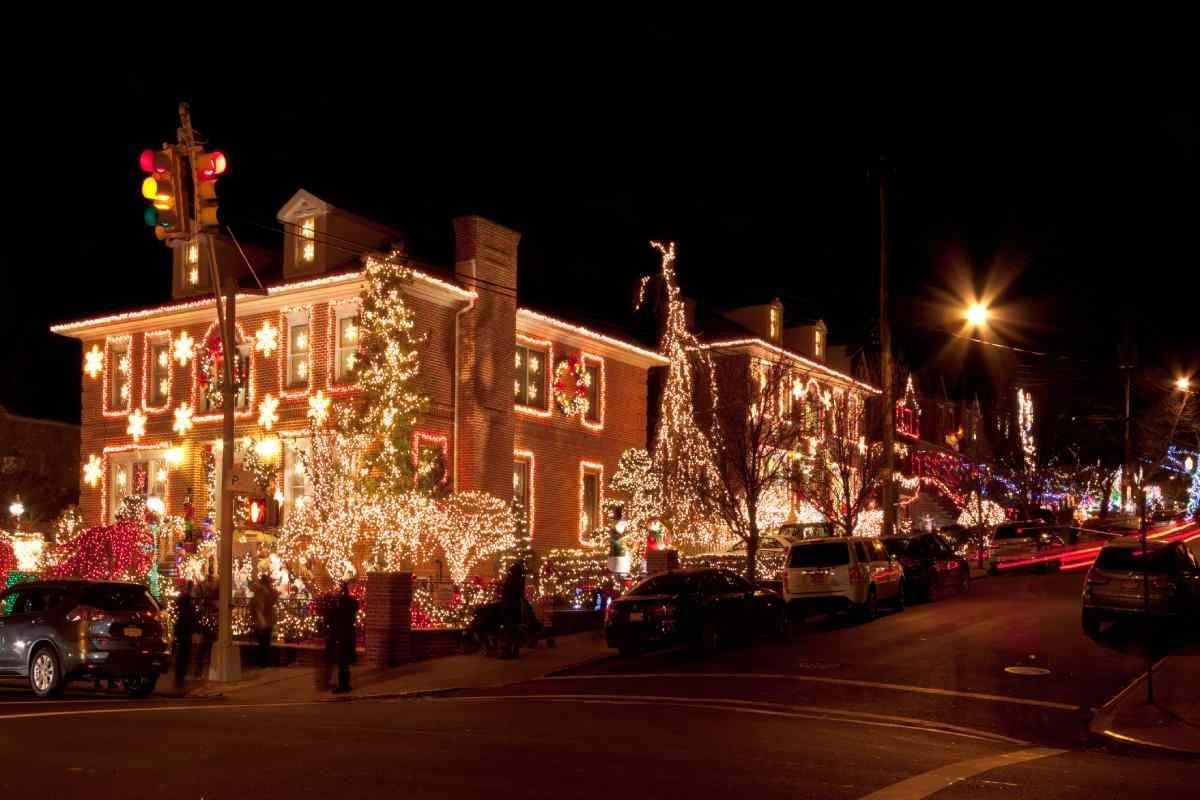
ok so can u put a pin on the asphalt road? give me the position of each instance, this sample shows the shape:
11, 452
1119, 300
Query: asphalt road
913, 705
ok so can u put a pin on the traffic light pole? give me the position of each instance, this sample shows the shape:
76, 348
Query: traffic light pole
226, 664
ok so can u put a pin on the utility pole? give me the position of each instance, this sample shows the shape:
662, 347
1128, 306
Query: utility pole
182, 189
885, 344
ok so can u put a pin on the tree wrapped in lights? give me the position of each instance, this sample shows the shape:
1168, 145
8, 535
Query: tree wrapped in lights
329, 527
118, 552
683, 457
1194, 496
68, 524
470, 527
8, 559
386, 366
633, 497
978, 515
401, 527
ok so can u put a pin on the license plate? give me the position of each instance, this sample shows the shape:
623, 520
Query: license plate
819, 577
636, 616
133, 633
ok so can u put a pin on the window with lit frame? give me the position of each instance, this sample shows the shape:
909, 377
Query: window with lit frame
522, 472
594, 374
346, 344
295, 478
195, 276
120, 376
241, 400
590, 518
159, 380
306, 246
529, 386
299, 351
142, 473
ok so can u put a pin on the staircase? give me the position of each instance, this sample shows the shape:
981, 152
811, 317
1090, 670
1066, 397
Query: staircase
929, 503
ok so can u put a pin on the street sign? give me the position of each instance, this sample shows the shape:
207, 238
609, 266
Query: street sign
241, 481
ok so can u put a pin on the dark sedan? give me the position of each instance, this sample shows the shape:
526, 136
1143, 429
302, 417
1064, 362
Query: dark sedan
931, 567
52, 632
701, 607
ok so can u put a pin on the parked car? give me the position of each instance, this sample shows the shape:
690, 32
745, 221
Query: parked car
799, 531
843, 574
767, 541
1022, 538
702, 607
52, 632
931, 567
1116, 582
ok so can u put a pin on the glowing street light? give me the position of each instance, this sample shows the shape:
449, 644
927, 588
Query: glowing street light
16, 508
1183, 384
977, 315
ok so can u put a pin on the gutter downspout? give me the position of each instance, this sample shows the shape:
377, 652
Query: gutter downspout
457, 378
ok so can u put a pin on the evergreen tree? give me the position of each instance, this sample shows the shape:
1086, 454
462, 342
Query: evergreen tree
386, 366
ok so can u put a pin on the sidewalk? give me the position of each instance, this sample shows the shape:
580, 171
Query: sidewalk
1172, 723
473, 671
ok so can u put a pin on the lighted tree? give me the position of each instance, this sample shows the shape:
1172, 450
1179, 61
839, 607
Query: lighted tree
759, 435
1194, 496
8, 559
683, 456
402, 528
840, 474
329, 527
469, 528
386, 366
979, 515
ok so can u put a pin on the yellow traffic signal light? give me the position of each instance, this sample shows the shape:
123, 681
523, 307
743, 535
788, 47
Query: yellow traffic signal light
161, 188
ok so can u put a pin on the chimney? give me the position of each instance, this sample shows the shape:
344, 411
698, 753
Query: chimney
485, 260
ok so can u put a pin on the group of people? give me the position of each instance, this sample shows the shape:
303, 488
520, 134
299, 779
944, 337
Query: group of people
196, 617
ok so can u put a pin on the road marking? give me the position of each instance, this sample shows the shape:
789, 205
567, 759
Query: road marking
935, 780
761, 709
899, 687
85, 712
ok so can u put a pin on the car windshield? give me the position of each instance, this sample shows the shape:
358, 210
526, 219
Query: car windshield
1132, 559
118, 597
671, 583
823, 554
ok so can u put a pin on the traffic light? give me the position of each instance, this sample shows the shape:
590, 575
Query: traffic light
206, 168
161, 188
261, 512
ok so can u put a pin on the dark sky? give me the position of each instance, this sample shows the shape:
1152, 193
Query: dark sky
1081, 199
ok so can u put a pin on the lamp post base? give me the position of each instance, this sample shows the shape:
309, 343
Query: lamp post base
226, 664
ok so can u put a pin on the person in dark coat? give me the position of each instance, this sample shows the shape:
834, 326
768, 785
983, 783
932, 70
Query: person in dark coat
512, 599
342, 639
185, 624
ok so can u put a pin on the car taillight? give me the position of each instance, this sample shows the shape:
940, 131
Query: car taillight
1097, 579
87, 614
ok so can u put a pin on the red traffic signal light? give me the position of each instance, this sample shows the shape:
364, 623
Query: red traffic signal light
152, 161
210, 166
206, 168
161, 188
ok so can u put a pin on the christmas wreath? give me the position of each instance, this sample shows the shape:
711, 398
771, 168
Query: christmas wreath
571, 384
210, 366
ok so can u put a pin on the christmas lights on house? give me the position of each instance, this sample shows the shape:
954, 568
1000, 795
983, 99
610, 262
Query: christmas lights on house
183, 418
318, 408
137, 425
268, 412
93, 362
266, 339
92, 471
184, 348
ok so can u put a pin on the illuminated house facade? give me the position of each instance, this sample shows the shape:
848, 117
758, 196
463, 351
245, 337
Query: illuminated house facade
488, 368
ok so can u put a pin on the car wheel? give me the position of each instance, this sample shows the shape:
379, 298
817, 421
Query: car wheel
140, 685
867, 611
45, 676
1090, 622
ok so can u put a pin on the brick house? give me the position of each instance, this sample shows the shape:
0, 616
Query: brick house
38, 464
487, 367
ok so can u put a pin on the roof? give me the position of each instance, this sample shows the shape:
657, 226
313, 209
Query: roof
791, 355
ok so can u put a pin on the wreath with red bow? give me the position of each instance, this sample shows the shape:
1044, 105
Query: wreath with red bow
571, 386
210, 367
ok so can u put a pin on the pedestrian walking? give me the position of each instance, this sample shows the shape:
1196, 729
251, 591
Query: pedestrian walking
344, 639
512, 599
185, 626
263, 615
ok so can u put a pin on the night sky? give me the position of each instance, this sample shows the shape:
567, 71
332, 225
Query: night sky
591, 144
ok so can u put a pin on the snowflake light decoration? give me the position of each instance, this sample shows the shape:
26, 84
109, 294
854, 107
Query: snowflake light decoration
318, 408
266, 339
183, 418
184, 349
268, 412
93, 361
137, 425
92, 471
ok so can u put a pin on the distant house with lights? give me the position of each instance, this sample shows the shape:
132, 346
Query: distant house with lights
487, 367
38, 465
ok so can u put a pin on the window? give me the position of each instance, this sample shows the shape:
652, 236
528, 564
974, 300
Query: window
523, 491
860, 550
817, 343
299, 351
194, 275
594, 376
346, 333
158, 353
529, 386
430, 459
307, 246
773, 314
823, 554
241, 400
120, 373
295, 477
589, 499
142, 473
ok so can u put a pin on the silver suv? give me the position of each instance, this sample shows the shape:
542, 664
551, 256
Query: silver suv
843, 574
1116, 583
54, 631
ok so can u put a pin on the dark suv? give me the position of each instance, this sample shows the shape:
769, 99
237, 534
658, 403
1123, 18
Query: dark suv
56, 631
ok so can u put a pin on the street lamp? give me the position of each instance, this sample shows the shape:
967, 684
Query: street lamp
1183, 383
977, 315
17, 508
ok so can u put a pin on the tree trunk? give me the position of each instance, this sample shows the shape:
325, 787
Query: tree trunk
752, 556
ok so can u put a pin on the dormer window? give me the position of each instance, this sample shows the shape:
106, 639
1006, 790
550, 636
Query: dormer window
773, 314
817, 343
191, 262
307, 252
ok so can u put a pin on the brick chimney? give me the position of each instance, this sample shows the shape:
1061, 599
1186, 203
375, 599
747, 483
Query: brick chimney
485, 260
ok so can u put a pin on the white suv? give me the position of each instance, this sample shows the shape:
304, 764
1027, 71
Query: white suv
843, 574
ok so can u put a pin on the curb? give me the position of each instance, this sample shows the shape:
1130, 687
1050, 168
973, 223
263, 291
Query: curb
1101, 720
